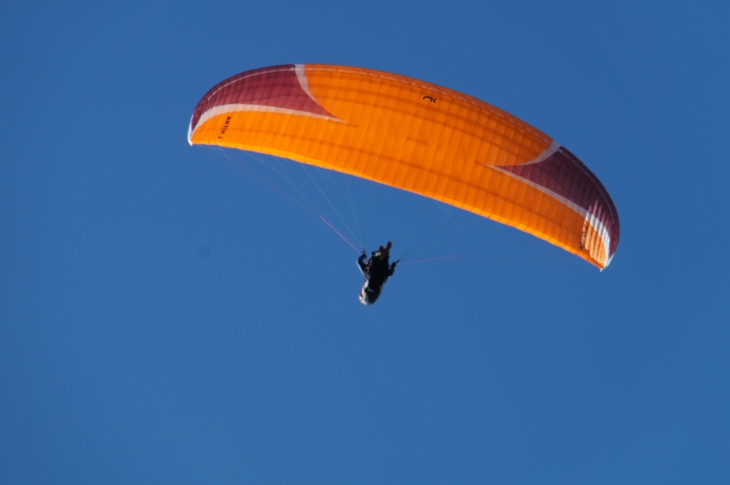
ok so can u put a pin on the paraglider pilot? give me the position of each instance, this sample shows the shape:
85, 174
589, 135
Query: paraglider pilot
377, 270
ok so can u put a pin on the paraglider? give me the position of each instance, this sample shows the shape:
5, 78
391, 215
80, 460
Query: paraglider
418, 137
377, 270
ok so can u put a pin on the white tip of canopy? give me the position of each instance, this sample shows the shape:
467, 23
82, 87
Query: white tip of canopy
190, 132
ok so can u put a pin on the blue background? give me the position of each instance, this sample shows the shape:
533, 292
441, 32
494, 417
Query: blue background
165, 318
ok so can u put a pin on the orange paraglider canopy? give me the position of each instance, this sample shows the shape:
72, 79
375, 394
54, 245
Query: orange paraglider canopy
418, 137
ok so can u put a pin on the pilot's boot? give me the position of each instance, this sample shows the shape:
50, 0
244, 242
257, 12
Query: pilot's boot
385, 251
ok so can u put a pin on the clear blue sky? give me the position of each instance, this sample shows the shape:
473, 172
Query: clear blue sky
164, 318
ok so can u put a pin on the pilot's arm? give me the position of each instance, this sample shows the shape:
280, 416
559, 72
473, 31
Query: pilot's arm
392, 269
361, 263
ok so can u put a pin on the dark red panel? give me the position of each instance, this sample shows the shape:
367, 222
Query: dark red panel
564, 174
276, 86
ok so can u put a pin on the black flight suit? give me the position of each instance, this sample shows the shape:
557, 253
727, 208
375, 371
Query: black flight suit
377, 271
